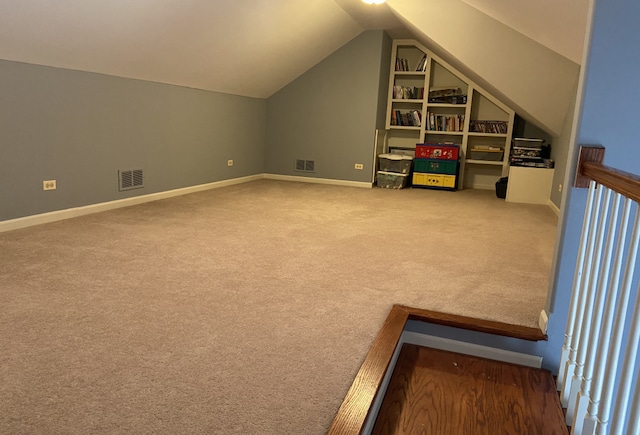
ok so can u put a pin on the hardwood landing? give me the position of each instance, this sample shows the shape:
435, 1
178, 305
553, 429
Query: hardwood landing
440, 392
353, 414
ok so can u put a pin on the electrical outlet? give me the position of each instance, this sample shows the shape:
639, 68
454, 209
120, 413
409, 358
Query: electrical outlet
559, 187
49, 185
229, 162
359, 166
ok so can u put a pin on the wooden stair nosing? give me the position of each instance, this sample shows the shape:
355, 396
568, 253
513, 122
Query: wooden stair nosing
473, 324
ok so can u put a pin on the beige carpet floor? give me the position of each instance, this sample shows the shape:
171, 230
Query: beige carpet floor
246, 309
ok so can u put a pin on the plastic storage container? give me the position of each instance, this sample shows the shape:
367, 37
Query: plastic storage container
435, 166
395, 163
391, 180
437, 151
442, 181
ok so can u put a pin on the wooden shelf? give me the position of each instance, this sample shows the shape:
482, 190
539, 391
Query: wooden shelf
475, 133
459, 133
482, 110
448, 105
410, 73
484, 162
404, 127
407, 100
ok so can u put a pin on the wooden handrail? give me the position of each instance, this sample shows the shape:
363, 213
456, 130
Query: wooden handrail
590, 167
625, 183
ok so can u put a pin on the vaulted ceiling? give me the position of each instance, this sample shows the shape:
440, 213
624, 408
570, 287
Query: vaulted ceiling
252, 47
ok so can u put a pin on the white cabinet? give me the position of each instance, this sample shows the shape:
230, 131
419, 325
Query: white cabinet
431, 102
529, 185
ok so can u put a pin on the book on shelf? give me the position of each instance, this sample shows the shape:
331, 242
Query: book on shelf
407, 92
445, 122
495, 127
412, 118
402, 64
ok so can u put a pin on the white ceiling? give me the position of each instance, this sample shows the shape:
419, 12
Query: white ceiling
245, 47
558, 25
249, 47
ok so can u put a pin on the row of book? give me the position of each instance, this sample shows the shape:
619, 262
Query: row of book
498, 127
445, 122
408, 93
403, 64
412, 118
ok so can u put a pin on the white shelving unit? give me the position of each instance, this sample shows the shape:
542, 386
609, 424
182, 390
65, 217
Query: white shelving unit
480, 105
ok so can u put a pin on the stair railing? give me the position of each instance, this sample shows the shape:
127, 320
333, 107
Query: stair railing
593, 355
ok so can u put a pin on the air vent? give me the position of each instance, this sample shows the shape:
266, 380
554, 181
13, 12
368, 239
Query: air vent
130, 179
305, 165
309, 165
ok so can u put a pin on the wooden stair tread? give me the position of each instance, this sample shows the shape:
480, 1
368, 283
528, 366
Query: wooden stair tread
440, 392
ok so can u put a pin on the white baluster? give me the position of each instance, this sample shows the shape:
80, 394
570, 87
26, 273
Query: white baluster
614, 351
600, 364
591, 348
573, 307
634, 412
595, 266
581, 294
626, 377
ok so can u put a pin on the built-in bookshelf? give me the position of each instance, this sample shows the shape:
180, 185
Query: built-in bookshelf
432, 102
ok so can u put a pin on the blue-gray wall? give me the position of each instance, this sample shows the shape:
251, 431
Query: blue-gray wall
79, 128
613, 60
606, 119
331, 112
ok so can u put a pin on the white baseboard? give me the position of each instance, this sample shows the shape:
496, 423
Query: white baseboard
330, 181
554, 208
58, 215
471, 349
481, 186
43, 218
543, 321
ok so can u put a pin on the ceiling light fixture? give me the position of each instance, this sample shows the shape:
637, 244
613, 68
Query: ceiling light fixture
373, 2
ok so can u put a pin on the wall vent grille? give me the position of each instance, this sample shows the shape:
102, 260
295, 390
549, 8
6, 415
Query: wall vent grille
305, 165
130, 179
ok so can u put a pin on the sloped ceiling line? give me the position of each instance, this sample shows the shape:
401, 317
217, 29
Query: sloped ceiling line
256, 49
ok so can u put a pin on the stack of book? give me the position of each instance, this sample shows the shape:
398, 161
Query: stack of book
529, 152
447, 95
